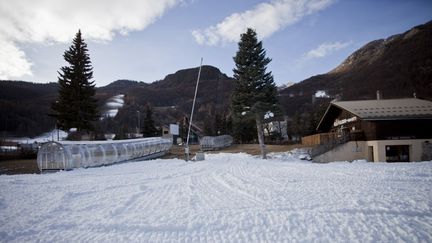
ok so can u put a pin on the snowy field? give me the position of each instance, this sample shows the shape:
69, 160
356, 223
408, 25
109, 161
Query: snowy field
226, 198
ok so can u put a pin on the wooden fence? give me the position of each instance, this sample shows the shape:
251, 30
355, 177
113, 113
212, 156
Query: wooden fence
319, 139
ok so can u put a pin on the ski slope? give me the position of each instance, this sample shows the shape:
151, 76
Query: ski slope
226, 198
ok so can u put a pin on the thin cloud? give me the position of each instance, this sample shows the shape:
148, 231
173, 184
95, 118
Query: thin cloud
57, 21
326, 49
265, 18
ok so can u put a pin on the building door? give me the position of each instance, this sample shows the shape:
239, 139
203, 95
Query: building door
370, 154
397, 153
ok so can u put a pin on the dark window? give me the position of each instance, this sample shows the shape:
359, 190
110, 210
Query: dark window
397, 153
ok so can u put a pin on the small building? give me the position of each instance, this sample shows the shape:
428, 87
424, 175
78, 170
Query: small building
390, 130
172, 132
277, 125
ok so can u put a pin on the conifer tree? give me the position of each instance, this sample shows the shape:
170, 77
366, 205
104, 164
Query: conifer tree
76, 106
149, 129
255, 92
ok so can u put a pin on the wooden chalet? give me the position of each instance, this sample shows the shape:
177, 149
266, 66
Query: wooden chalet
387, 130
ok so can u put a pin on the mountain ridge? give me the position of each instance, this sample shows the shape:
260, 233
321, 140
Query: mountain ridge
398, 66
24, 106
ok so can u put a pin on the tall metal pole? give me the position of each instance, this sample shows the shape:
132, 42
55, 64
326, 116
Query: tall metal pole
139, 122
191, 116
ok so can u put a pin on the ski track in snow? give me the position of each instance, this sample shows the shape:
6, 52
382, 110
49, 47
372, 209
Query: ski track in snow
226, 198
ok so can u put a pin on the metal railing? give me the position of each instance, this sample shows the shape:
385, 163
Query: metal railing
336, 141
214, 143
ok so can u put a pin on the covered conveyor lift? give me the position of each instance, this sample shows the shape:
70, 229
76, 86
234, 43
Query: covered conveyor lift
67, 155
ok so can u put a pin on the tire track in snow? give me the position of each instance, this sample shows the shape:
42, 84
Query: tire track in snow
234, 185
216, 201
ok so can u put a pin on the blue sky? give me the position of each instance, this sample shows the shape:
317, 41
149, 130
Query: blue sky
146, 40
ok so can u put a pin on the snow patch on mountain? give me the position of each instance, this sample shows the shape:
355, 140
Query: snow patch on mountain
113, 105
321, 94
53, 135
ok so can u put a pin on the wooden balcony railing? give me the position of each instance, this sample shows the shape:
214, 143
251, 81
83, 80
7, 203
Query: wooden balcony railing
323, 142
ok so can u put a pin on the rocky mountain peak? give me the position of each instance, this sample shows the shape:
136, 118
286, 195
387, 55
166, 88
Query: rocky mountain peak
363, 56
373, 50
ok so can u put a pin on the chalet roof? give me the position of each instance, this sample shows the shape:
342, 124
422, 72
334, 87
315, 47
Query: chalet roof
390, 109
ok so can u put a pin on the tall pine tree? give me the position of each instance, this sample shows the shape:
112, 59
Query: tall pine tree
76, 106
149, 129
255, 92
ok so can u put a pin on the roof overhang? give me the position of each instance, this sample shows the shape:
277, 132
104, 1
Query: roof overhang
378, 110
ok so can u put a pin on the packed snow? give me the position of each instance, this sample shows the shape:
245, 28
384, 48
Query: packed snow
226, 198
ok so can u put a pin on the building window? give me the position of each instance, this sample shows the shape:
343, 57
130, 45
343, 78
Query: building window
371, 154
397, 153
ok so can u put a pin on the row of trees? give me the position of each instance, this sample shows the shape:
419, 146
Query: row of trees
218, 124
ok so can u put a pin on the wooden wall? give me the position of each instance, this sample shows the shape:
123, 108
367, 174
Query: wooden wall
320, 138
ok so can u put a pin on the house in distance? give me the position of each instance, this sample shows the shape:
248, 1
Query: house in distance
386, 130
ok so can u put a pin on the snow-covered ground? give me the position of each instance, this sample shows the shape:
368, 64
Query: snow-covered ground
226, 198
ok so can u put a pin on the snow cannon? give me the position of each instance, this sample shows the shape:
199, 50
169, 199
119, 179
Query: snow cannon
67, 155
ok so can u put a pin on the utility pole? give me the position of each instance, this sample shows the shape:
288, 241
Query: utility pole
191, 116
